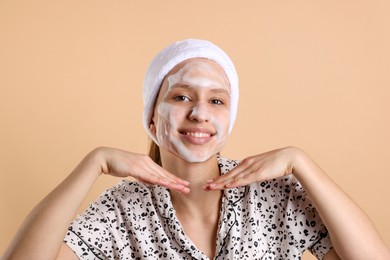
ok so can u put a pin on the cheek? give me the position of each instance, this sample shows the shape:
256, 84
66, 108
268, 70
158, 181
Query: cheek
221, 121
169, 118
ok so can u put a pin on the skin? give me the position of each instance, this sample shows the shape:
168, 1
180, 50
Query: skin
198, 91
204, 108
190, 184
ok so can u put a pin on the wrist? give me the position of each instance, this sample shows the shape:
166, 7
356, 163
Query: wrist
305, 169
96, 161
300, 162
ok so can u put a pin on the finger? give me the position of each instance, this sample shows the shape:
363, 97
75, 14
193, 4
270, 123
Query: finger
145, 183
251, 177
236, 173
174, 178
167, 175
175, 186
221, 179
159, 176
157, 180
232, 179
243, 181
152, 172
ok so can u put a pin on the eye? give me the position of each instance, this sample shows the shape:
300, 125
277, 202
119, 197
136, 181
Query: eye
216, 102
181, 98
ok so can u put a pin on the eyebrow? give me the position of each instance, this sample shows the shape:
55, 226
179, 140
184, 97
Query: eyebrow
186, 86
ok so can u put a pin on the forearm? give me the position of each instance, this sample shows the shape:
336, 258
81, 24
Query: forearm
42, 233
352, 233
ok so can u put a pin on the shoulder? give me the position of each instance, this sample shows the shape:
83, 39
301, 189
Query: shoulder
126, 188
125, 196
280, 195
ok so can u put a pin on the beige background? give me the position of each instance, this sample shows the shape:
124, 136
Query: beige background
314, 74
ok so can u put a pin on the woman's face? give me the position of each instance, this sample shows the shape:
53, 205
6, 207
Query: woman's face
192, 113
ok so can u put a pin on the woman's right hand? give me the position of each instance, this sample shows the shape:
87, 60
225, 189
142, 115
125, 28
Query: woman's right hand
120, 163
49, 220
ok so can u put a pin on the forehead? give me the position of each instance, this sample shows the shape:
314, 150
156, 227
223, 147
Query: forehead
195, 66
197, 72
199, 63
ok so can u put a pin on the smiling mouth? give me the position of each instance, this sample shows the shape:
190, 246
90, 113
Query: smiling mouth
197, 134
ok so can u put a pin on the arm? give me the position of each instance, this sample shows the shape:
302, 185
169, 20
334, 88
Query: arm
331, 255
42, 233
352, 233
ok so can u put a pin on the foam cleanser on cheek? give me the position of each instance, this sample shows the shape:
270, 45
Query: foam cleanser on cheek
171, 118
168, 135
197, 130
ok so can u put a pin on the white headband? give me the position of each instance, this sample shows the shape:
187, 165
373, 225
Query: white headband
174, 54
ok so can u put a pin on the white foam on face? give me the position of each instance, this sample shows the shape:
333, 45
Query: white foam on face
205, 80
168, 136
172, 116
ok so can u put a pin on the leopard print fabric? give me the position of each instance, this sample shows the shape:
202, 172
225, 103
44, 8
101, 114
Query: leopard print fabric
270, 220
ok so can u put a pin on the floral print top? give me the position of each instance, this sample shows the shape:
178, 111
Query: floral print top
274, 219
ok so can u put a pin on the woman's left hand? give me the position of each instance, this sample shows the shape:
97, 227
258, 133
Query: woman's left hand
257, 168
341, 216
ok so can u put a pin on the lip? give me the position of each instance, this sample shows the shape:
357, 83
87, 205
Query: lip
197, 135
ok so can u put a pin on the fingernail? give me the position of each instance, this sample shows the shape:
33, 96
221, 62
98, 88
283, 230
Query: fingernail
213, 185
210, 180
182, 188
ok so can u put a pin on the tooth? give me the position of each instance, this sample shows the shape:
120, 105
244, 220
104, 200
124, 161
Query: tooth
197, 134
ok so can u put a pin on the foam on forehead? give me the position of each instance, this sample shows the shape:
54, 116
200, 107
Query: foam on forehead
176, 53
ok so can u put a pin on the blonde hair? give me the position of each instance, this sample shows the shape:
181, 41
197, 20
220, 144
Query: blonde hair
154, 152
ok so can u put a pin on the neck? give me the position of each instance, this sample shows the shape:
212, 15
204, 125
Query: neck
196, 174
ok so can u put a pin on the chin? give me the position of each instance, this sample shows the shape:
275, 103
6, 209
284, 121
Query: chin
197, 158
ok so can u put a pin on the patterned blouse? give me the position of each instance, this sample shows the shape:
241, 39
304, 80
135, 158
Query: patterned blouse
269, 220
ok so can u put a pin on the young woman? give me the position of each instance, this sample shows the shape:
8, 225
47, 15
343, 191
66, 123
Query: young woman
188, 202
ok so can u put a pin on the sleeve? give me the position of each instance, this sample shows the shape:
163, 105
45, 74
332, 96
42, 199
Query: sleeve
305, 225
92, 235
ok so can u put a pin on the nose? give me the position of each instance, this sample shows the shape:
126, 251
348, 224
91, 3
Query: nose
200, 113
